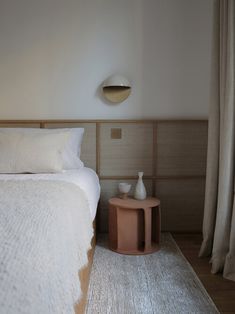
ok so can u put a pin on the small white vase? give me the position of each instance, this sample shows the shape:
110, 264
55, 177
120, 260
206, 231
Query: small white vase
140, 191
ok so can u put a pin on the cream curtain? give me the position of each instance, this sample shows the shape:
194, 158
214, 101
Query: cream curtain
219, 212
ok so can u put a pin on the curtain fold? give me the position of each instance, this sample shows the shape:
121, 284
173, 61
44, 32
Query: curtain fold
219, 212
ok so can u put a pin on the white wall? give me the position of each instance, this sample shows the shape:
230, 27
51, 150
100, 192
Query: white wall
177, 57
54, 54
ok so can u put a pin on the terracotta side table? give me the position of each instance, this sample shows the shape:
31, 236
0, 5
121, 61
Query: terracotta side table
134, 226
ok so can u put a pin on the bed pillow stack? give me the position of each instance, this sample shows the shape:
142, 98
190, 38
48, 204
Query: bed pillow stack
24, 150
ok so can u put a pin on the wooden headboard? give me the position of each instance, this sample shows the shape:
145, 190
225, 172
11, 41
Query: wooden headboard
172, 154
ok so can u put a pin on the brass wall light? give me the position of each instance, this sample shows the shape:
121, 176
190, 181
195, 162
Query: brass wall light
116, 88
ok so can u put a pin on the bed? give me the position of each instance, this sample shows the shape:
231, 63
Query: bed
47, 225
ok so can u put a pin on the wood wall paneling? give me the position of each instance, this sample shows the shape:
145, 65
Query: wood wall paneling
182, 203
19, 125
181, 148
128, 155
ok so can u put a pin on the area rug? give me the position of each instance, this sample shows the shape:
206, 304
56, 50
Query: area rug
163, 282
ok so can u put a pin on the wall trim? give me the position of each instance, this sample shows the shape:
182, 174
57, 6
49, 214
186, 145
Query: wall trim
44, 121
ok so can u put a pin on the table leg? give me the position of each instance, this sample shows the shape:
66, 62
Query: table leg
158, 224
113, 232
148, 228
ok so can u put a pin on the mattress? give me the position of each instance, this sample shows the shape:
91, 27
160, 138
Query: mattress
85, 178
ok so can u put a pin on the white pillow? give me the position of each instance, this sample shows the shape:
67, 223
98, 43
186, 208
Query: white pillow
33, 153
72, 149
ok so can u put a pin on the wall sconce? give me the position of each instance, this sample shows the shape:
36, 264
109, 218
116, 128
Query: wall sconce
116, 88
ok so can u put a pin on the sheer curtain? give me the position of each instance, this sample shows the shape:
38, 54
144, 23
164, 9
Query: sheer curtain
219, 212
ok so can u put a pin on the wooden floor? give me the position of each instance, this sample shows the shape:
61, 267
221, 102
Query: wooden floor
222, 291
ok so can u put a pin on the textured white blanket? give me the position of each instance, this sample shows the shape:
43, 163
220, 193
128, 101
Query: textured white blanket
45, 233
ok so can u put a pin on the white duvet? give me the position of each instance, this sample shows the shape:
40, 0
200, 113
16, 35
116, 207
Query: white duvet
45, 233
84, 177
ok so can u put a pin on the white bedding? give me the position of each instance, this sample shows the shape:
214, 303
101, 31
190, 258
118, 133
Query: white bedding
46, 231
84, 177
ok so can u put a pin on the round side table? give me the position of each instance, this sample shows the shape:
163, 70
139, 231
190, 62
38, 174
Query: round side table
134, 226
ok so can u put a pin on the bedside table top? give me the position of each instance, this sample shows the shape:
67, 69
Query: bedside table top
131, 203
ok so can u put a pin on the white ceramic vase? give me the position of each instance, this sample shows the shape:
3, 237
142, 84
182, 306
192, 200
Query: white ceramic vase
140, 191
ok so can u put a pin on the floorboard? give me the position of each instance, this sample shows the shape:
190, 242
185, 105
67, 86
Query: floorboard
222, 291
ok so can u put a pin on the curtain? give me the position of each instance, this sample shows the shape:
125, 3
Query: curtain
219, 211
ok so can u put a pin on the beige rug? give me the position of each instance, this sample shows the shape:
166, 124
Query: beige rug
163, 282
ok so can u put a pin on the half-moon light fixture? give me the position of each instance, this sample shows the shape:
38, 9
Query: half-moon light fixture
116, 88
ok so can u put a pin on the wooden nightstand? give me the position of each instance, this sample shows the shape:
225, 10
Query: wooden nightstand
134, 226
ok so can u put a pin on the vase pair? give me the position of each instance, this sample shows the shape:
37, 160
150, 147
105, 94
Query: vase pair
140, 191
